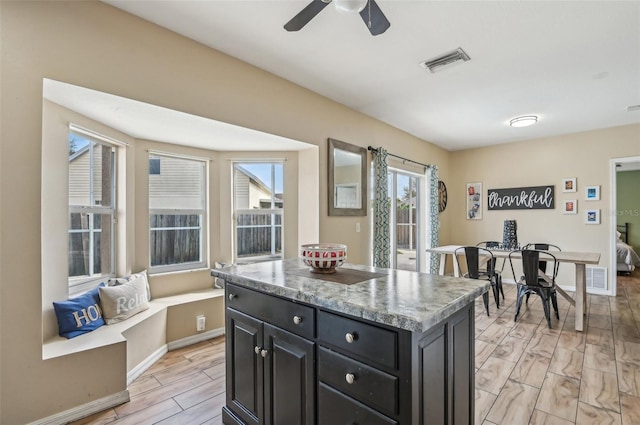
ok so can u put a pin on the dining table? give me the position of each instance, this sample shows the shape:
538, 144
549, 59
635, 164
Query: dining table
579, 259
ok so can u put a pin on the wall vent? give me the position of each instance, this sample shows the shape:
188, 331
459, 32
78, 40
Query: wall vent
446, 60
596, 277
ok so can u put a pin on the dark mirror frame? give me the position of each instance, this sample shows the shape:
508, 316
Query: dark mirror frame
333, 211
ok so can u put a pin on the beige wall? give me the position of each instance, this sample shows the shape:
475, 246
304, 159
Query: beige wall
93, 45
585, 156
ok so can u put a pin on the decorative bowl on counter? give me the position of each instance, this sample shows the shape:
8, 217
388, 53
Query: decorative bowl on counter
323, 257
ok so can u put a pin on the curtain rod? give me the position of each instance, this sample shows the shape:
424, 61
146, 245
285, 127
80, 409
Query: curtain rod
372, 149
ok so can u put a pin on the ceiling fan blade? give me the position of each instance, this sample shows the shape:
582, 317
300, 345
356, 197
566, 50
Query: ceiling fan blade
379, 23
305, 15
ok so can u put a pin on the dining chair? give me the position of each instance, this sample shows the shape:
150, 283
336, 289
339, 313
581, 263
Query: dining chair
495, 245
534, 281
543, 247
542, 265
472, 259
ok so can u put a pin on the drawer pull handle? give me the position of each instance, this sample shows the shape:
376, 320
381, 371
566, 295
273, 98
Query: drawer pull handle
257, 349
297, 320
350, 337
350, 378
232, 296
264, 353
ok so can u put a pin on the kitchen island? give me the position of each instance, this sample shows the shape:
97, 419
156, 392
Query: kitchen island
362, 346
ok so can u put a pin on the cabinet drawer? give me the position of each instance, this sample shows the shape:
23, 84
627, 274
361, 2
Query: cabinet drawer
370, 386
296, 318
336, 408
367, 342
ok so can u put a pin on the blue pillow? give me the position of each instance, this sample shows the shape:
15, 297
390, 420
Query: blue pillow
79, 315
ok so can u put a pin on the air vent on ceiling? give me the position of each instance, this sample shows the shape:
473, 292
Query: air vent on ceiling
446, 60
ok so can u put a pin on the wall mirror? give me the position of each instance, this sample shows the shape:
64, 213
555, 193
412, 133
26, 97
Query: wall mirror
347, 179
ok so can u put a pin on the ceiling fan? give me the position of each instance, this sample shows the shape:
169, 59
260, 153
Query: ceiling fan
369, 10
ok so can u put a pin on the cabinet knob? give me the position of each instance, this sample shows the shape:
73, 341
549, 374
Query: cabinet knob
264, 353
350, 378
297, 320
232, 296
257, 349
350, 337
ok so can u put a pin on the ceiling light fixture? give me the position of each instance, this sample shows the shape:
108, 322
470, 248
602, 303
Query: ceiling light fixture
523, 121
350, 5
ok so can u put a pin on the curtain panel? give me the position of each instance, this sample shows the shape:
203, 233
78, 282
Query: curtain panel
381, 210
433, 218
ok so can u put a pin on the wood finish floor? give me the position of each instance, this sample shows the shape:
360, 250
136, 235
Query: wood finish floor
526, 373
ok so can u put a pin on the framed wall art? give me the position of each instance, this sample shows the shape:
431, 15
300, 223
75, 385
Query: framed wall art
570, 206
474, 201
592, 193
569, 185
592, 217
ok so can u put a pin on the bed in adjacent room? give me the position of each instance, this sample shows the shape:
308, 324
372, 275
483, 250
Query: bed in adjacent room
628, 259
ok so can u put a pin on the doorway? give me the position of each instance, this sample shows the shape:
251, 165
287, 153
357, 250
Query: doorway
405, 197
621, 212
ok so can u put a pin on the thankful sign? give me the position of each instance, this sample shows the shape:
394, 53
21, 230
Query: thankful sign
521, 198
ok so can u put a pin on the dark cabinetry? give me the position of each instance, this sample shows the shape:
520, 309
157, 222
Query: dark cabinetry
292, 363
270, 370
445, 370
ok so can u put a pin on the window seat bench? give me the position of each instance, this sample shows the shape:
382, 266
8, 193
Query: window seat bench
168, 324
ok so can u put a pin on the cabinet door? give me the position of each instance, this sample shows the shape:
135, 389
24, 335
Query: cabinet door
244, 367
462, 361
289, 378
434, 378
446, 371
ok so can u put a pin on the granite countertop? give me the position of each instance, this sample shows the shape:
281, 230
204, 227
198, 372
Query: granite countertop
398, 298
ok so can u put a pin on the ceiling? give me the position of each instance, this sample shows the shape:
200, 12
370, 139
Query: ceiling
575, 64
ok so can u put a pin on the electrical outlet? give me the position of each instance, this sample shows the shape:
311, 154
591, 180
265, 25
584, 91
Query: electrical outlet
200, 323
358, 227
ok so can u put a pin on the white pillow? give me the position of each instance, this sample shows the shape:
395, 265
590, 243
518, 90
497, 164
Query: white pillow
618, 234
123, 301
121, 280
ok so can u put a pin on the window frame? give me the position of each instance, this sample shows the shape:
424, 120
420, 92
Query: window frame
81, 283
203, 213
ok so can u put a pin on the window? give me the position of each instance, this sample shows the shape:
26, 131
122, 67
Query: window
258, 205
154, 166
177, 212
92, 194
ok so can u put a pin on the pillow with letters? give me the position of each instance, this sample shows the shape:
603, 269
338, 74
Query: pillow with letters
122, 301
79, 315
121, 280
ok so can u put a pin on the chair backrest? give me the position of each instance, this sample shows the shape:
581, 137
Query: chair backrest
531, 259
542, 265
472, 256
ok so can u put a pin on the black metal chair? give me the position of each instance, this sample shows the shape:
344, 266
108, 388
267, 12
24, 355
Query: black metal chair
494, 245
542, 265
533, 283
472, 259
543, 247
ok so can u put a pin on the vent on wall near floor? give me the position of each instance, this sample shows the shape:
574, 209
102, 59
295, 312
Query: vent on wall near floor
596, 277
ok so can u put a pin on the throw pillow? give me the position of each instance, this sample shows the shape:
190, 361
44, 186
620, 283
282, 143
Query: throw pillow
79, 315
120, 280
123, 301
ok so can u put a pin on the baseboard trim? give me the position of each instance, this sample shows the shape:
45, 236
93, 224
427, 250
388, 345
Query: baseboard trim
194, 339
146, 364
84, 410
